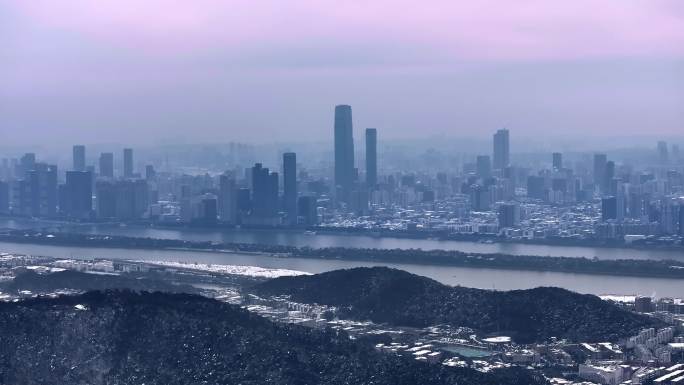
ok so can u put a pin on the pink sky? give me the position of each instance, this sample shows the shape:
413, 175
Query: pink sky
567, 62
485, 29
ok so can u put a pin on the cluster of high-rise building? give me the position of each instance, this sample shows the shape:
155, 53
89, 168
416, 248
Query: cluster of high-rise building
572, 195
36, 189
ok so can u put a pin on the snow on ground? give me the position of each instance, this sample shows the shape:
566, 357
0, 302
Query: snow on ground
618, 298
252, 271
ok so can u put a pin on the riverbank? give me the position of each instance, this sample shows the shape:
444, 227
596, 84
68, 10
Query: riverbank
620, 267
650, 243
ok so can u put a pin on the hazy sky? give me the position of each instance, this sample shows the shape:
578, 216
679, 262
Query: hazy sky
133, 71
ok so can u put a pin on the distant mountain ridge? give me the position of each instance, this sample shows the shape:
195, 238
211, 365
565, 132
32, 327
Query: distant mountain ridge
385, 295
122, 337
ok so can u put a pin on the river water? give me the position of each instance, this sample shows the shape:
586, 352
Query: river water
299, 238
480, 278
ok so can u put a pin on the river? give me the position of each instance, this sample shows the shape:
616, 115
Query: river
299, 238
480, 278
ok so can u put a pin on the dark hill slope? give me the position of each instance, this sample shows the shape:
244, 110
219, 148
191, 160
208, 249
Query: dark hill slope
127, 338
76, 280
396, 297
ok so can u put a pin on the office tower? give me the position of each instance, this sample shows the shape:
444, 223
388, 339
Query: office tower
609, 210
308, 210
227, 199
128, 162
4, 197
535, 187
483, 166
557, 160
107, 164
501, 149
599, 169
79, 157
264, 196
508, 215
79, 195
344, 152
371, 157
290, 186
663, 155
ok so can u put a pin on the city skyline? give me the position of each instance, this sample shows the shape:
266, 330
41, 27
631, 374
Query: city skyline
342, 192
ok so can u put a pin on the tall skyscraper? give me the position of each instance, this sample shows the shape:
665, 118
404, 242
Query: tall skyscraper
107, 165
79, 194
344, 152
371, 157
557, 160
128, 162
227, 199
501, 149
290, 186
264, 196
600, 161
79, 157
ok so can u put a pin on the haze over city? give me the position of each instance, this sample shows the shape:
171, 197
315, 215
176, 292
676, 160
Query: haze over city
340, 192
212, 71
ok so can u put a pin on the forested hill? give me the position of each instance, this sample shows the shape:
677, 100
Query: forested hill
385, 295
121, 337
